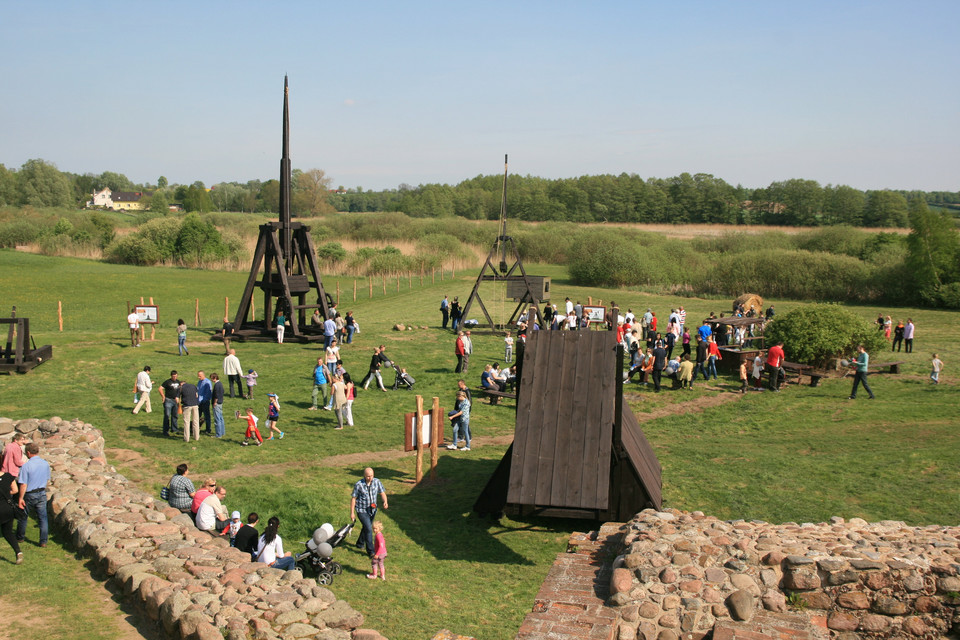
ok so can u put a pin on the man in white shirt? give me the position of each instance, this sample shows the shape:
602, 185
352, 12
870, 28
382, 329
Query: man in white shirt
212, 515
144, 387
133, 321
233, 371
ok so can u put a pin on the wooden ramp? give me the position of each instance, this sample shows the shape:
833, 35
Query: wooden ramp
578, 450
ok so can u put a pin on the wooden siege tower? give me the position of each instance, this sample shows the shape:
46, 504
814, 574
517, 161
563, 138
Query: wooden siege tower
286, 254
526, 290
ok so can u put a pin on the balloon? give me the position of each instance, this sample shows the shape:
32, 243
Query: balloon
324, 550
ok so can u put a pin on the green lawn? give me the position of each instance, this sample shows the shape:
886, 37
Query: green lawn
803, 455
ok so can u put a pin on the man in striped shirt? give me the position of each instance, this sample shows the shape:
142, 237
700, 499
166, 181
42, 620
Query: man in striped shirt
363, 504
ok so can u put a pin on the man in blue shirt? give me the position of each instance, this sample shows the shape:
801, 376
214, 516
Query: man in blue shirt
205, 391
860, 376
363, 504
319, 384
33, 479
329, 330
705, 331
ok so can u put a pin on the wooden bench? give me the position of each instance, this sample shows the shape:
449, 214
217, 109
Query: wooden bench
800, 370
892, 367
495, 395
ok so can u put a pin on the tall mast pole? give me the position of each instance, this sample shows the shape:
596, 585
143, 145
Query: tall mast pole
503, 218
285, 175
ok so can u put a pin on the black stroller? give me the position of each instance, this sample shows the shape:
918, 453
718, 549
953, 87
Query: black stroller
318, 557
402, 379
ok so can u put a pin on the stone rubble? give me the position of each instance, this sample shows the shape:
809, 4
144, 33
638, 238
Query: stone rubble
194, 584
679, 574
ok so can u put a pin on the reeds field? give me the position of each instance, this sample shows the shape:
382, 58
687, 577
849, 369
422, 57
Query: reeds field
802, 455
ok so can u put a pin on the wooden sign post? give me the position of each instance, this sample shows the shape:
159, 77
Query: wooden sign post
153, 327
418, 429
436, 435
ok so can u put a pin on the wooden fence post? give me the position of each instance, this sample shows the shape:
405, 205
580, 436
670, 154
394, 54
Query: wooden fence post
226, 307
143, 329
253, 308
354, 289
60, 314
153, 327
370, 284
338, 292
196, 312
433, 275
384, 283
418, 433
436, 435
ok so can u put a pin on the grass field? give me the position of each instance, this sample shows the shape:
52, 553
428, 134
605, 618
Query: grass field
802, 455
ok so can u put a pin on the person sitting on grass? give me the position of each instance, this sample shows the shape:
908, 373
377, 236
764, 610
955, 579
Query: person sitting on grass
252, 429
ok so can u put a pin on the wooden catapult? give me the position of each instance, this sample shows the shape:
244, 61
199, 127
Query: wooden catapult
16, 354
528, 291
286, 254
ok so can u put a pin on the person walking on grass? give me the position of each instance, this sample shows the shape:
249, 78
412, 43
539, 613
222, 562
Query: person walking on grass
937, 365
273, 415
182, 337
33, 479
363, 505
8, 512
143, 386
860, 375
379, 553
133, 321
319, 384
252, 429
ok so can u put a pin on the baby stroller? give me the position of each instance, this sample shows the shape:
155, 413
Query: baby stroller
317, 558
402, 379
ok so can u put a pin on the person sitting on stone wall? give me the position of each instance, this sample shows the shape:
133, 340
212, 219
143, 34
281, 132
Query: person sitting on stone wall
212, 516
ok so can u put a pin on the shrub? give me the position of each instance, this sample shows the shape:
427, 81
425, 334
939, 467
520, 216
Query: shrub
331, 252
18, 232
162, 232
133, 249
604, 259
816, 333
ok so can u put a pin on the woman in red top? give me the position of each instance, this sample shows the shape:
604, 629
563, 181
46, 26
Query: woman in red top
713, 354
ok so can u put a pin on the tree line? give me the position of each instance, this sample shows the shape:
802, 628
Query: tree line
697, 198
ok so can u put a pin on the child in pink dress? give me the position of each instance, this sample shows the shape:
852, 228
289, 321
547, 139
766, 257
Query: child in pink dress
379, 552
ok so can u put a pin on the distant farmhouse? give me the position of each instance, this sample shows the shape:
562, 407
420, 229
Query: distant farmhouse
117, 200
121, 201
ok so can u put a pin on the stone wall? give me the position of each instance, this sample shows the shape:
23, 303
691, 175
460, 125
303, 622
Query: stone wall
194, 584
670, 574
684, 572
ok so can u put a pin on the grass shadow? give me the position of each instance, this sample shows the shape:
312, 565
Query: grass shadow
437, 516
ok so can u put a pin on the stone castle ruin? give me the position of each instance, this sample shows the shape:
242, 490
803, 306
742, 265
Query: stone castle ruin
664, 575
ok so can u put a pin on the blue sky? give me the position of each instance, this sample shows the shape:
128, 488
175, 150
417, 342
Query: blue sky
384, 93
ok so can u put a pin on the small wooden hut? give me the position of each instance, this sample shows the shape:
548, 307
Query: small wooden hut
578, 450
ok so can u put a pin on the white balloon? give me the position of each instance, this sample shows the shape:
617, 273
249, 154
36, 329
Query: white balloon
325, 550
328, 529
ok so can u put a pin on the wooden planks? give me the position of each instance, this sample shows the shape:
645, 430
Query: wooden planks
642, 458
563, 442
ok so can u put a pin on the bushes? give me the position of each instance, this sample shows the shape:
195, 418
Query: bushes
814, 334
133, 249
19, 232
